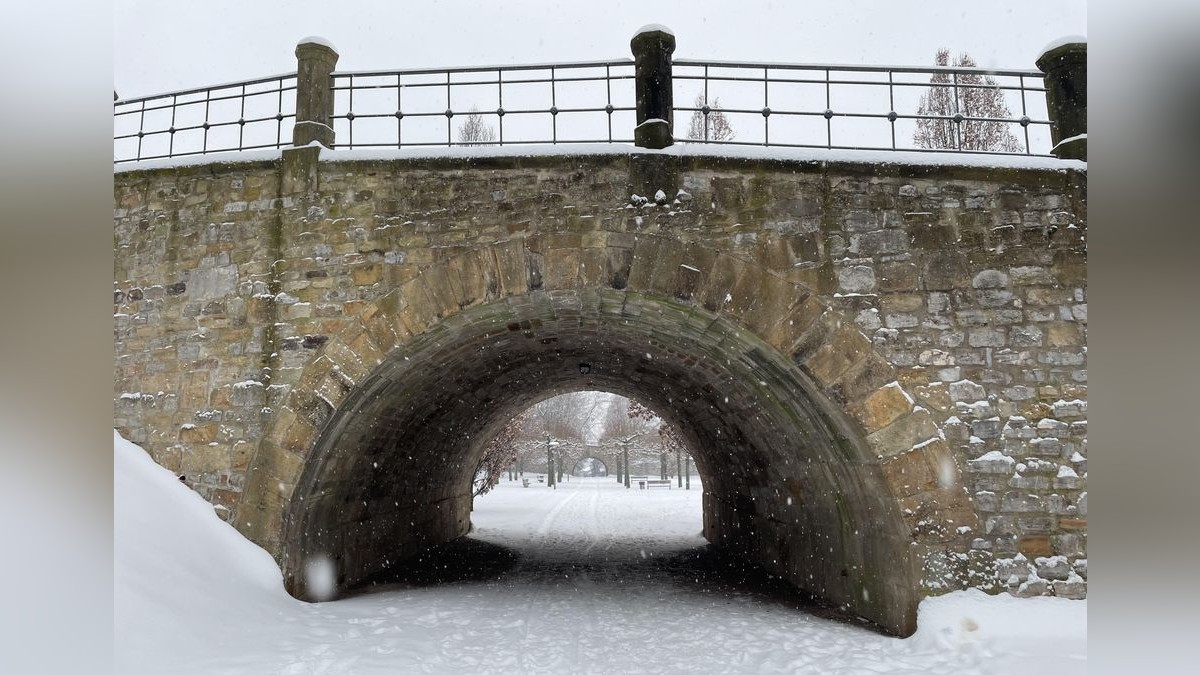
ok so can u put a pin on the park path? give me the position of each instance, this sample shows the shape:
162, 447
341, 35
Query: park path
612, 579
589, 578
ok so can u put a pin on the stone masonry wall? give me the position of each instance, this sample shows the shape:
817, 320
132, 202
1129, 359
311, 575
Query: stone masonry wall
969, 282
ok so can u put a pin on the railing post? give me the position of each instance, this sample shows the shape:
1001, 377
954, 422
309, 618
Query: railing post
652, 47
1065, 69
315, 59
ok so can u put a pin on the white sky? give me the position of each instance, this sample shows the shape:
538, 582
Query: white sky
161, 45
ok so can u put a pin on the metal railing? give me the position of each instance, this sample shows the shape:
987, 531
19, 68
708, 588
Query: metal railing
502, 105
249, 115
725, 103
863, 107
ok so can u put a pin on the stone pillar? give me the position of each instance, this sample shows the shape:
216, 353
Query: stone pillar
1065, 68
315, 60
652, 47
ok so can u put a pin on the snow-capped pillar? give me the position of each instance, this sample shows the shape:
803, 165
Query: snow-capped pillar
315, 59
652, 48
1065, 66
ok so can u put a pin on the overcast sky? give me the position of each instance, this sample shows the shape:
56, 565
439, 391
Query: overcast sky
161, 45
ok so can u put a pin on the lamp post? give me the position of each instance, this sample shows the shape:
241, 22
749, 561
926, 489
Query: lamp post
550, 482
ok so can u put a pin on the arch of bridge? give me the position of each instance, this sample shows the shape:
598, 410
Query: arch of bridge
784, 403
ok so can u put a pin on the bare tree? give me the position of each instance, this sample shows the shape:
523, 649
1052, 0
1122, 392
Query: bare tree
473, 131
969, 95
568, 420
669, 439
498, 455
578, 425
714, 126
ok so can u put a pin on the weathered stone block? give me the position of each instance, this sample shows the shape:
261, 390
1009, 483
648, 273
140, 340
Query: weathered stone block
903, 434
882, 407
966, 390
1032, 546
856, 279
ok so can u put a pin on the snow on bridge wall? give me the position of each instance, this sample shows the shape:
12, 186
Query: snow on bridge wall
881, 368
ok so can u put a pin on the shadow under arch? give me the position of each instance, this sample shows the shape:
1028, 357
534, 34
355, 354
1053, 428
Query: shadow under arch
789, 480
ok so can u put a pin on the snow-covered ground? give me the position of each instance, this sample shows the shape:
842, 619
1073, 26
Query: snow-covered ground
588, 578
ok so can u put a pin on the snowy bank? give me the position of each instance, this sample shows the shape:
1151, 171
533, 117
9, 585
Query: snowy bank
193, 596
186, 584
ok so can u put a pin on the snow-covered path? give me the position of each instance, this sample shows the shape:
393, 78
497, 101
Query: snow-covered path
589, 578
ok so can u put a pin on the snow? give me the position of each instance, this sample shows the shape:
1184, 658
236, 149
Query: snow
994, 456
885, 157
1055, 44
598, 588
316, 40
654, 28
1077, 137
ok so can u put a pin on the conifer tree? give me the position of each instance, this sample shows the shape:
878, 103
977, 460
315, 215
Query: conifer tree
977, 96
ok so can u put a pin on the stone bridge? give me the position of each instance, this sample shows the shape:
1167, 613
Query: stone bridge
880, 368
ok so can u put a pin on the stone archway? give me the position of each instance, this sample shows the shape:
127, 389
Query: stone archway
802, 441
601, 471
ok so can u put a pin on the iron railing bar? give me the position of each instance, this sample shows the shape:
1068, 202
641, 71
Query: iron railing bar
255, 120
193, 153
1002, 87
859, 147
242, 118
279, 118
171, 131
880, 116
204, 145
608, 108
141, 129
614, 142
440, 144
478, 83
500, 103
524, 111
229, 97
1025, 115
957, 127
210, 87
842, 67
399, 109
766, 111
892, 116
483, 69
828, 119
